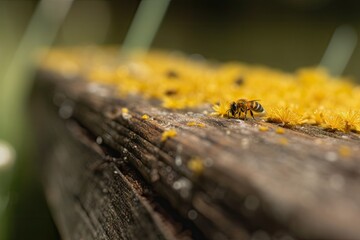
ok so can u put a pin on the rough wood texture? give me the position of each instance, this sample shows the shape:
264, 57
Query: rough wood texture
108, 175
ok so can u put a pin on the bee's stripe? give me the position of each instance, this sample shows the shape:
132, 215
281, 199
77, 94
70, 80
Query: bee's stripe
257, 107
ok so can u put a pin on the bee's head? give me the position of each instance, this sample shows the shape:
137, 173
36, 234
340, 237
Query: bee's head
233, 108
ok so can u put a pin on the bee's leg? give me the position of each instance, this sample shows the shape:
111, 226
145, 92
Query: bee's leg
235, 114
245, 113
252, 114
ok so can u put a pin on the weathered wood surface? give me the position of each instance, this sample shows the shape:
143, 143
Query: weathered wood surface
108, 176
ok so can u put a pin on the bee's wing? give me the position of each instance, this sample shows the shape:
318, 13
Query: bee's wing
256, 100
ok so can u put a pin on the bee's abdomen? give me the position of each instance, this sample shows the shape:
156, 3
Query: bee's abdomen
257, 107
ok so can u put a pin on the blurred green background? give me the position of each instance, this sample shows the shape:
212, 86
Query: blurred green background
284, 34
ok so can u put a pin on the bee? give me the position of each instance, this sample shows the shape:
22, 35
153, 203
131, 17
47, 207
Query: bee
243, 106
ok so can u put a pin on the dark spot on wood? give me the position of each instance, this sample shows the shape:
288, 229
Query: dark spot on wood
214, 122
113, 112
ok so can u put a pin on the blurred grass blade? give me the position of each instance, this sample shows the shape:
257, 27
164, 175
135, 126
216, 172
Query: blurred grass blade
146, 22
339, 50
17, 80
7, 160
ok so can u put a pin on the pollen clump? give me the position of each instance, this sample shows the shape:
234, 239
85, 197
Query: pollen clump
280, 130
196, 165
220, 109
125, 113
344, 151
168, 134
195, 124
124, 110
307, 96
352, 120
263, 128
145, 117
283, 141
284, 115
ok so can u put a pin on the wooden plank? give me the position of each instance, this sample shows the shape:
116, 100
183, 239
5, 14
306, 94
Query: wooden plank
227, 180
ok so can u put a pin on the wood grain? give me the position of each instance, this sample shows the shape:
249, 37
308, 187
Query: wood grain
108, 175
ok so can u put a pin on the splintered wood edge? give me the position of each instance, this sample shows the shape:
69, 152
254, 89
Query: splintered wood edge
298, 183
